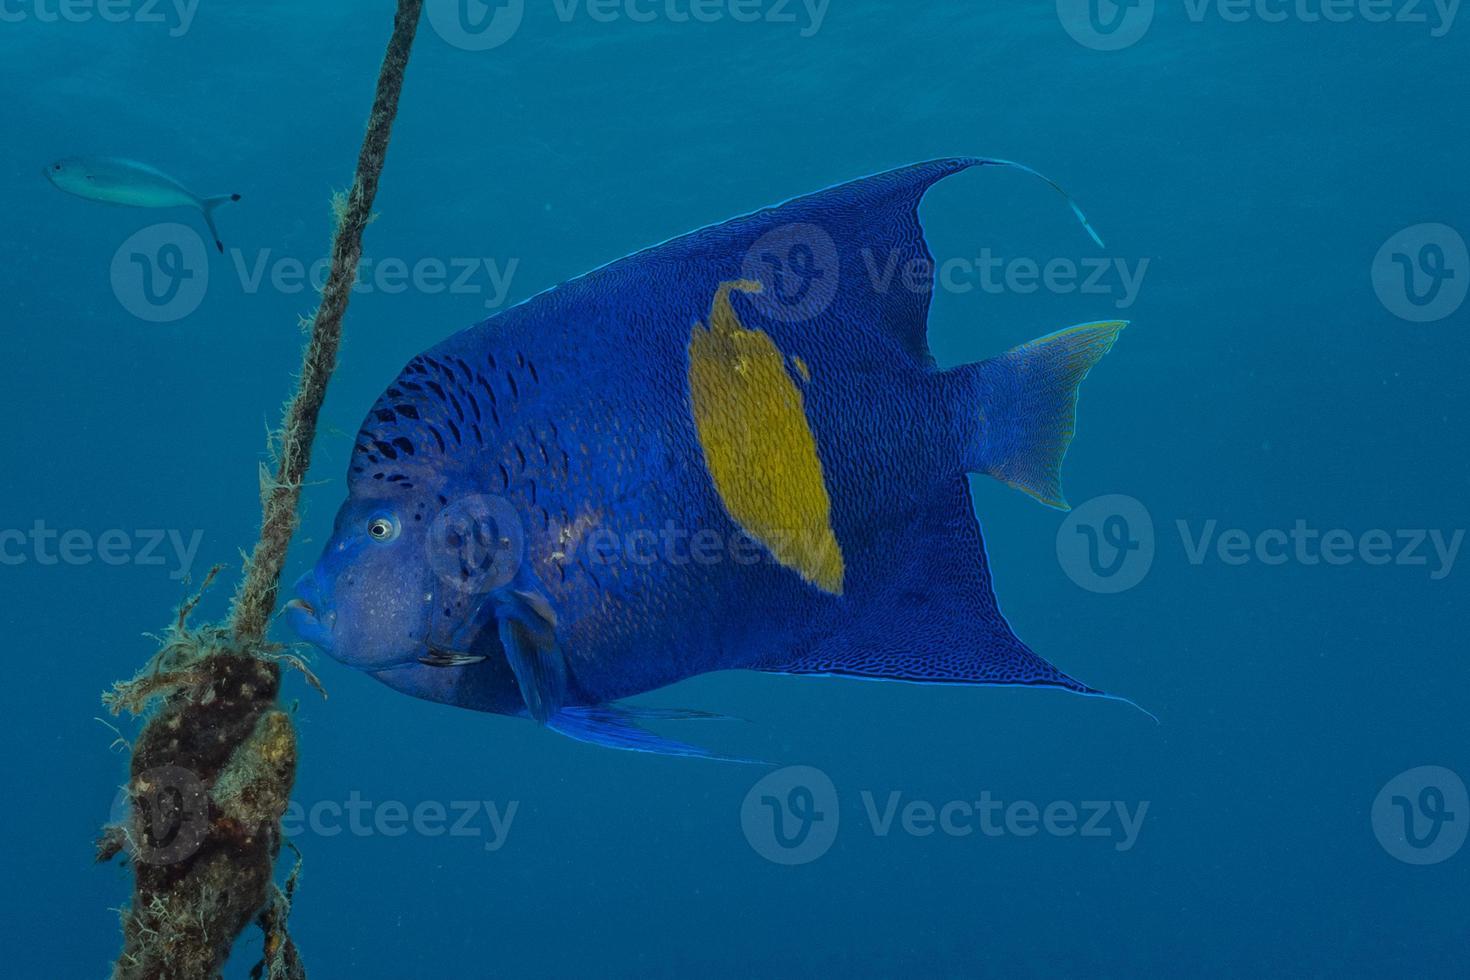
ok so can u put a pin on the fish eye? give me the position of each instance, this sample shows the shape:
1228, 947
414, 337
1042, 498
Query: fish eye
57, 167
382, 528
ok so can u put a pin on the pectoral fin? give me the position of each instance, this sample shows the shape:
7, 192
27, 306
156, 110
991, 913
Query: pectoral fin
528, 634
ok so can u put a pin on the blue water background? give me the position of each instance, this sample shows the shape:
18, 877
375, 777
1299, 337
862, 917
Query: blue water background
1257, 166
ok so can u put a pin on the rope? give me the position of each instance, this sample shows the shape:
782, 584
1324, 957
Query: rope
212, 770
256, 599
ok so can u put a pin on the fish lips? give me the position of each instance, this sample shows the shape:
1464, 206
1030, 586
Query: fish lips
307, 614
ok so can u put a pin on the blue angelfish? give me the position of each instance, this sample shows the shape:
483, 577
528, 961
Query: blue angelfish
729, 451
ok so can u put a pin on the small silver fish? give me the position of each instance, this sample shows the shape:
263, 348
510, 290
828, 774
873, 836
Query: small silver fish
112, 180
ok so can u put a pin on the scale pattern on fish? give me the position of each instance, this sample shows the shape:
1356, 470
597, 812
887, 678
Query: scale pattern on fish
729, 451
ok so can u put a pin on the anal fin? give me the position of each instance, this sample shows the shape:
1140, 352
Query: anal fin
932, 618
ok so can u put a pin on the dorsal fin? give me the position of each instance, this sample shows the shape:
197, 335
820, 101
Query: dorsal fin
868, 227
871, 226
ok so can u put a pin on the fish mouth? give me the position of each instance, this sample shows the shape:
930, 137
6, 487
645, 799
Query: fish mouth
450, 658
302, 615
460, 645
303, 620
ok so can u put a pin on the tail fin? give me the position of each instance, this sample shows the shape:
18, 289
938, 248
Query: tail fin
207, 205
1018, 411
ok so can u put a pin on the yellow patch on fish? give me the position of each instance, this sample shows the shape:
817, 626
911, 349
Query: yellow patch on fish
758, 447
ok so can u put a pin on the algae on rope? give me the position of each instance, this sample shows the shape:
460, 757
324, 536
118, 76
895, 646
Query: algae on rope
212, 770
